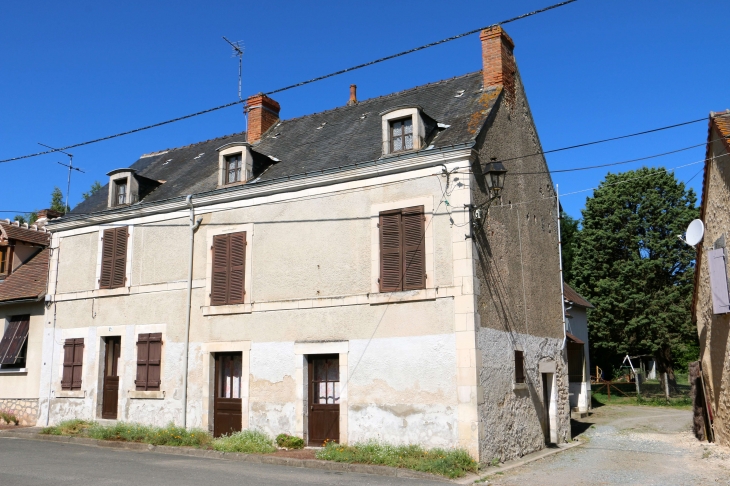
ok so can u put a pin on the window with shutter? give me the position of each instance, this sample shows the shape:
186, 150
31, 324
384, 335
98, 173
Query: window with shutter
402, 250
73, 360
718, 281
229, 269
149, 359
519, 367
13, 343
114, 258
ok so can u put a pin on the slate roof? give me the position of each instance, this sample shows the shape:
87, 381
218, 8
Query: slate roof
28, 281
322, 141
574, 297
12, 232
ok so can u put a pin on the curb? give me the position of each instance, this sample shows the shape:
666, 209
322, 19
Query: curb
515, 463
231, 456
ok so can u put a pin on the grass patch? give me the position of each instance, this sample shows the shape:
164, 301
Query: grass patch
683, 402
9, 417
247, 441
452, 463
129, 432
289, 441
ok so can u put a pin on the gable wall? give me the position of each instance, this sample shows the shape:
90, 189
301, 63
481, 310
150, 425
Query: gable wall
714, 329
519, 299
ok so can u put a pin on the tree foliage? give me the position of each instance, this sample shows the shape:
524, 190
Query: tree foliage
632, 267
57, 203
95, 187
569, 231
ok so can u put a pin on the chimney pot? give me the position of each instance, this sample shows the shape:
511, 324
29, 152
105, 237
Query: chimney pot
498, 61
263, 113
353, 95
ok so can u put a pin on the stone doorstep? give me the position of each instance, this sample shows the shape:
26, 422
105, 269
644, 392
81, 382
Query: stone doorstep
234, 456
515, 463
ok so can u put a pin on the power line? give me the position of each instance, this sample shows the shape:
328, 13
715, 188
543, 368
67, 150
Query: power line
360, 66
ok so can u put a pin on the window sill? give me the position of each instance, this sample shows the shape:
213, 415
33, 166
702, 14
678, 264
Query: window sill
222, 310
519, 386
404, 296
146, 395
17, 371
70, 394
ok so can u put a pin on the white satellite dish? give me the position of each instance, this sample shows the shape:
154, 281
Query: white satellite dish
695, 232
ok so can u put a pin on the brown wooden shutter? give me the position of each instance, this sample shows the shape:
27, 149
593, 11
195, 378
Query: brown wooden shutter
391, 242
414, 249
154, 360
219, 279
73, 360
107, 259
237, 267
143, 343
119, 274
14, 338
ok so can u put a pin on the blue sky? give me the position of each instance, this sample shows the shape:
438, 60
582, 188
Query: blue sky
78, 70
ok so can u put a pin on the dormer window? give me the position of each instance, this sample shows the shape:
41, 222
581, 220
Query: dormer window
401, 135
120, 192
233, 168
3, 262
405, 128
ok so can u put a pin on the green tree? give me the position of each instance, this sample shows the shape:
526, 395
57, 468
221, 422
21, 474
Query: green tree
93, 190
57, 203
569, 233
630, 264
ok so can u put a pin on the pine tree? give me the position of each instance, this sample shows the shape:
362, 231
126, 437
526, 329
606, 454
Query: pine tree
95, 187
630, 264
57, 201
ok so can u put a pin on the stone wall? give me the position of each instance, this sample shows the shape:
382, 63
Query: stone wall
25, 409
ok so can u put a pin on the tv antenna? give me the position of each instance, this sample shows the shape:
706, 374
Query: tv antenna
237, 52
70, 166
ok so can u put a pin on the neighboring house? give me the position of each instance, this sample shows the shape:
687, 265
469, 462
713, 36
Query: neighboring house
579, 366
710, 304
349, 282
23, 276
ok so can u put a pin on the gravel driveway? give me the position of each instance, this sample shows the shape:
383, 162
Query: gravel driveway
629, 445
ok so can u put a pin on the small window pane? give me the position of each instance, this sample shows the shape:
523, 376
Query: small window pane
330, 393
409, 141
397, 144
322, 398
236, 377
319, 370
408, 126
337, 392
333, 370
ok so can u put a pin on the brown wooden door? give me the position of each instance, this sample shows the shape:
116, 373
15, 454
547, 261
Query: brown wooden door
324, 399
227, 404
110, 397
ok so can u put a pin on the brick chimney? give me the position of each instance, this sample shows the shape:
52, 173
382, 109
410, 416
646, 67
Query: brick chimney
498, 61
44, 215
353, 95
263, 113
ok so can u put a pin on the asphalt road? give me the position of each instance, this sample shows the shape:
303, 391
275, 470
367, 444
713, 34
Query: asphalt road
38, 463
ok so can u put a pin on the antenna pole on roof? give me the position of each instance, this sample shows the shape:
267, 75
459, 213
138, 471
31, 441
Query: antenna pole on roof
70, 166
237, 52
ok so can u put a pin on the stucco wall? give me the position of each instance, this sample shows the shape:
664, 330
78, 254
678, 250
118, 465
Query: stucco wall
580, 393
516, 253
77, 262
714, 329
24, 385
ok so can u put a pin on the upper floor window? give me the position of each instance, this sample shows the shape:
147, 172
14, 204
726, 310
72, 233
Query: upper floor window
3, 261
402, 249
114, 258
120, 192
229, 269
233, 168
401, 135
14, 345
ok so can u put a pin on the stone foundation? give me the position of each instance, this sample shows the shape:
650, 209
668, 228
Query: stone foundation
25, 409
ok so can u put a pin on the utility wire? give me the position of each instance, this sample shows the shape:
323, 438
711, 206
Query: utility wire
337, 73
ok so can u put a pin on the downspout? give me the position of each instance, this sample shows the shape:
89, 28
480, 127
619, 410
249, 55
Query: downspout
53, 330
194, 225
560, 261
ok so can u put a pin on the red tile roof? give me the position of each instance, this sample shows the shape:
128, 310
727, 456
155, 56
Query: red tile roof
12, 232
28, 281
574, 297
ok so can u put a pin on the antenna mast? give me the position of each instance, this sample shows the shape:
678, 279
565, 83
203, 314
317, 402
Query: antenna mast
237, 52
70, 166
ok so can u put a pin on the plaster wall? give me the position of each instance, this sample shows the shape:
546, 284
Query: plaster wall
580, 393
714, 329
16, 384
515, 249
77, 257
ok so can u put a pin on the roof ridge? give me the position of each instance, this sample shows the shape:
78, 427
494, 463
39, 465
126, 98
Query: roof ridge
395, 93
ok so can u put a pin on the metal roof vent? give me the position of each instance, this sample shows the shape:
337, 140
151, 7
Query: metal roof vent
459, 93
321, 126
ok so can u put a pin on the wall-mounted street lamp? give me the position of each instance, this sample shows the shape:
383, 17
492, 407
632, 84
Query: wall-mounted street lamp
494, 175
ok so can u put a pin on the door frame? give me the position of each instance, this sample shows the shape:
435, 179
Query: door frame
310, 391
208, 351
107, 340
301, 351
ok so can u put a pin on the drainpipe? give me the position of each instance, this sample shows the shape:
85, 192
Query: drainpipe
560, 260
53, 330
194, 225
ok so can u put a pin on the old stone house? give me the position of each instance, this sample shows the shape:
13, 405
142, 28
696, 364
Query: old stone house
23, 275
711, 304
349, 275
